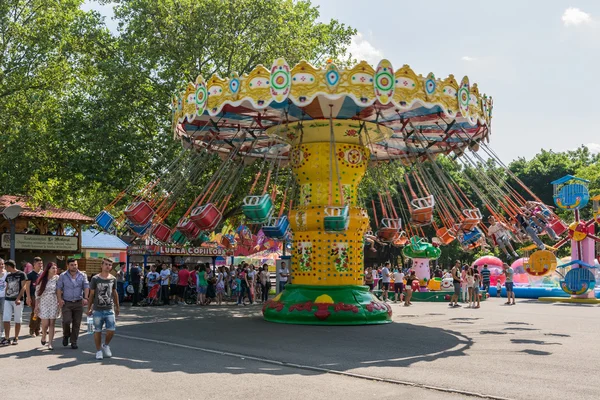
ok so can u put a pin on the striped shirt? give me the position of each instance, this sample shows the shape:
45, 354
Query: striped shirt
485, 275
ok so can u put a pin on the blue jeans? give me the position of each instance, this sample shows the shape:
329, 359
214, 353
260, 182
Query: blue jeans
534, 238
104, 317
282, 286
244, 289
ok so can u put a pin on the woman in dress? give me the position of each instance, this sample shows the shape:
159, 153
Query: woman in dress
220, 285
46, 305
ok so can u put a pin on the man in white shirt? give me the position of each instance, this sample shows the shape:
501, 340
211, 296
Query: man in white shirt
284, 273
385, 280
501, 235
165, 276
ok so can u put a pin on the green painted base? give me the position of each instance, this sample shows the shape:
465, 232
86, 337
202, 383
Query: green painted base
327, 305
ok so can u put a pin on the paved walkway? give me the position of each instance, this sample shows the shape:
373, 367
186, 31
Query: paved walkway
528, 351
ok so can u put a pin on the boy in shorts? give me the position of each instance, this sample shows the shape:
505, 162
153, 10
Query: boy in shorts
104, 306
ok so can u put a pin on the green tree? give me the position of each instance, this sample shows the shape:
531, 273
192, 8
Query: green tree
85, 112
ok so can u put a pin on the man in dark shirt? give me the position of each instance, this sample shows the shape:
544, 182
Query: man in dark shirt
32, 277
16, 287
135, 276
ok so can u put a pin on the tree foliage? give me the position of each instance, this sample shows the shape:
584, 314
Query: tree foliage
86, 111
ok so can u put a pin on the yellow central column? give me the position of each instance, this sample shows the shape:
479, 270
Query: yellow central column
320, 257
327, 265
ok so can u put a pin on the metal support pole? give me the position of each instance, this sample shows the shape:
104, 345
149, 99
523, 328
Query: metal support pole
12, 238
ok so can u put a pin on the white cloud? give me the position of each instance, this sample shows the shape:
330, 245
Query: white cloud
574, 16
362, 49
593, 147
467, 58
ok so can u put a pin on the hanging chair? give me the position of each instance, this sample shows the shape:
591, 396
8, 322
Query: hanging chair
139, 213
161, 232
178, 238
336, 218
206, 217
422, 211
390, 229
139, 230
445, 235
401, 239
277, 227
105, 221
257, 209
472, 218
470, 239
187, 227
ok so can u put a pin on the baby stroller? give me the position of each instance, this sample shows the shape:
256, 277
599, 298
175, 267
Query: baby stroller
153, 298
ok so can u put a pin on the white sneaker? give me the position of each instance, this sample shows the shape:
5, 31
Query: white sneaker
99, 355
106, 350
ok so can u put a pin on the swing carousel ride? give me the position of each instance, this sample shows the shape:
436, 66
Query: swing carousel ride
315, 133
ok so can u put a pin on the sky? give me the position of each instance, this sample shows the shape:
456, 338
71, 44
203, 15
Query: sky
538, 59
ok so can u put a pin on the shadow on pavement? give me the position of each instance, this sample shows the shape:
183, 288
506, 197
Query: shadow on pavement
141, 342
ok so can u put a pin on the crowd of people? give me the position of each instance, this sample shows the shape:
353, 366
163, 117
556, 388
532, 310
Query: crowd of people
469, 283
203, 285
53, 295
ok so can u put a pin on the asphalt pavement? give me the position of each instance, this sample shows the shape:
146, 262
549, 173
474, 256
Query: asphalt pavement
529, 351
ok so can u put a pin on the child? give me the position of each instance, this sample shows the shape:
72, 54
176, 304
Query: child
498, 288
475, 292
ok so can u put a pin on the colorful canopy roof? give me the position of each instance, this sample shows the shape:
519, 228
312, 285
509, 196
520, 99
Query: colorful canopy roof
426, 115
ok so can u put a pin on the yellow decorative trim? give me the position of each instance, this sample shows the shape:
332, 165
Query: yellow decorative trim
303, 83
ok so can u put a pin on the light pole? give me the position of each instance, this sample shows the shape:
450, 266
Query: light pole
11, 213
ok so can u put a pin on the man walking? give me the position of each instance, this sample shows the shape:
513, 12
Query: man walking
72, 292
103, 306
509, 284
455, 272
32, 277
16, 286
485, 278
135, 276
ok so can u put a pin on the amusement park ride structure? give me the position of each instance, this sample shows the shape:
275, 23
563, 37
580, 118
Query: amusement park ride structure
316, 132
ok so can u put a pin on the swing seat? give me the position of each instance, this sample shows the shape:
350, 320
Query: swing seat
390, 229
139, 230
558, 226
471, 237
105, 221
445, 235
401, 239
472, 218
228, 241
422, 213
257, 208
188, 228
336, 219
139, 213
178, 238
277, 227
161, 232
206, 217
